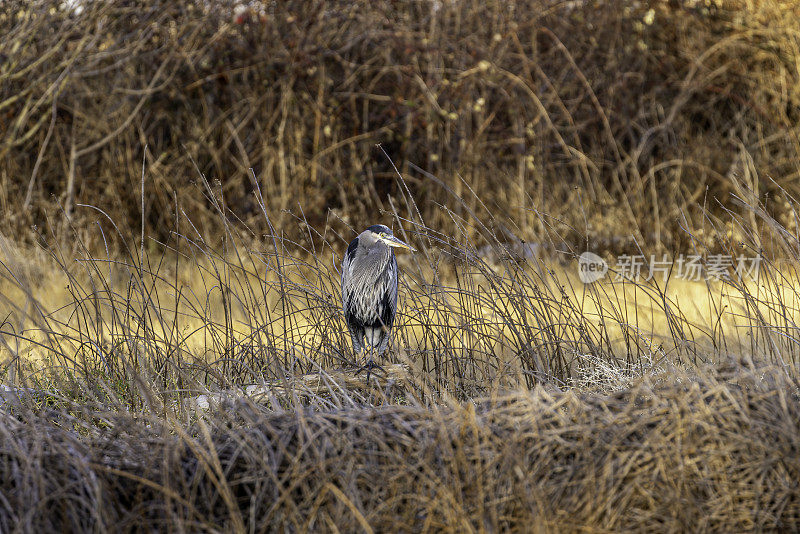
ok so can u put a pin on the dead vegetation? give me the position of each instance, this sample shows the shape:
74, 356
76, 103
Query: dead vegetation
530, 404
204, 265
605, 119
717, 453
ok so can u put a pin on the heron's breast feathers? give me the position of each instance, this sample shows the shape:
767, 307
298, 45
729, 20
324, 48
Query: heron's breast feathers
370, 298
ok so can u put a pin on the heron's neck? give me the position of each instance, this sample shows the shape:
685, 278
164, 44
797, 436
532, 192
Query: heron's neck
374, 263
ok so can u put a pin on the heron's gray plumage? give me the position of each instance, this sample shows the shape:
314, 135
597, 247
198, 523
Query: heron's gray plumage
369, 288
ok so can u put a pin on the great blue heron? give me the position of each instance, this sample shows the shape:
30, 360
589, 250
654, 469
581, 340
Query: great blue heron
369, 289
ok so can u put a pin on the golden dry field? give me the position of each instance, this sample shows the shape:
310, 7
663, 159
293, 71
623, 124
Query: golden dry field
598, 330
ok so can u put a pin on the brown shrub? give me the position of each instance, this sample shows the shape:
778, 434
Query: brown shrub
622, 117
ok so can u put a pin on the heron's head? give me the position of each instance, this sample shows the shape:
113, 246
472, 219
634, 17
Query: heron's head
379, 233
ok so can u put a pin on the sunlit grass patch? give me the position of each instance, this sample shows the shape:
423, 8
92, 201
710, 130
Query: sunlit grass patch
189, 317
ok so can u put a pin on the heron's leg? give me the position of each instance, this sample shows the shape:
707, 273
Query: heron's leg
374, 368
358, 348
371, 366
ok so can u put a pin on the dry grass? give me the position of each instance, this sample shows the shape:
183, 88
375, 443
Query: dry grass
603, 119
535, 402
523, 133
717, 453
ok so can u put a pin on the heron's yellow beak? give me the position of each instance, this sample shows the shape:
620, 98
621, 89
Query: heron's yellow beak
396, 243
